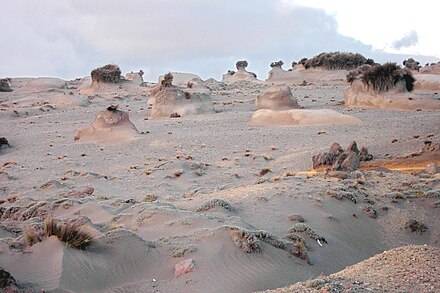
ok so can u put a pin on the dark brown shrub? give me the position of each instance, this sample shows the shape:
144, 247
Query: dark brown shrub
107, 74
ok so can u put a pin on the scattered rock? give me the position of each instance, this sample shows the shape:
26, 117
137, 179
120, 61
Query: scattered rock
4, 143
370, 212
296, 218
414, 225
339, 160
184, 267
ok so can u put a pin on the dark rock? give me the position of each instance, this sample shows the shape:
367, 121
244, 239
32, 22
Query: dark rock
414, 225
4, 143
370, 212
4, 85
339, 160
6, 280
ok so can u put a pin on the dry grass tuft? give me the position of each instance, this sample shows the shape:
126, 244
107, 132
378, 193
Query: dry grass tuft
72, 233
107, 74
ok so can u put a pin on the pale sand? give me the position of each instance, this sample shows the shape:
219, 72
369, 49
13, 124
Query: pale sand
143, 209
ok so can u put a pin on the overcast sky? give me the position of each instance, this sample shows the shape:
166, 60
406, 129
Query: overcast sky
68, 38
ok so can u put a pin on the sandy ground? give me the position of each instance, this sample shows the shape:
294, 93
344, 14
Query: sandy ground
144, 200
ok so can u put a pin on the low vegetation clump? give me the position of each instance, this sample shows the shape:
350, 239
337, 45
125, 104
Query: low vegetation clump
382, 78
167, 80
216, 202
245, 240
336, 60
301, 227
72, 233
107, 74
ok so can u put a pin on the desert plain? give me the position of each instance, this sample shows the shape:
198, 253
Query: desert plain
220, 195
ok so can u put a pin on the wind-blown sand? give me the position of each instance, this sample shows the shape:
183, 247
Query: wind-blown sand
208, 188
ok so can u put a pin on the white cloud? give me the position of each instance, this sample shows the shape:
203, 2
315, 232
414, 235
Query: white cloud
69, 38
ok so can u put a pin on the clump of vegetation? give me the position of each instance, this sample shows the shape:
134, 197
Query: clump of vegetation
414, 226
72, 233
382, 78
107, 74
301, 227
270, 239
301, 251
216, 202
296, 218
112, 108
245, 240
336, 60
167, 80
411, 64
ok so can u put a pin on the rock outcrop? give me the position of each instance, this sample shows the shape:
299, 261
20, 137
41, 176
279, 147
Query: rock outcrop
339, 160
4, 85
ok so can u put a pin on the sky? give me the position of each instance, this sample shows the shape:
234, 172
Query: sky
69, 38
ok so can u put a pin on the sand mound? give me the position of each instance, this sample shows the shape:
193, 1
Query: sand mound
174, 100
26, 85
241, 74
427, 82
403, 269
313, 75
301, 117
361, 96
433, 68
277, 98
110, 127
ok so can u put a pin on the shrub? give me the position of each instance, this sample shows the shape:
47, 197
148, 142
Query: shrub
107, 74
382, 78
336, 60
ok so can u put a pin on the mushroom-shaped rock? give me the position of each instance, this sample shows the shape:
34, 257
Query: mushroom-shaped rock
301, 117
135, 77
384, 86
277, 98
277, 71
241, 73
110, 126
